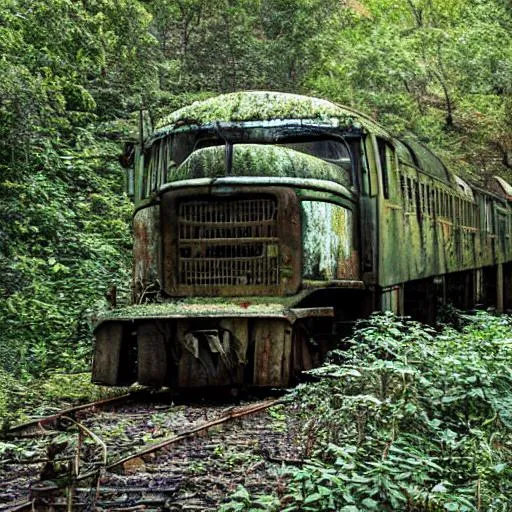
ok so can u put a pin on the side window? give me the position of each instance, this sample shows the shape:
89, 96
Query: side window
168, 159
404, 188
412, 195
155, 170
146, 173
424, 198
156, 163
489, 216
365, 173
388, 168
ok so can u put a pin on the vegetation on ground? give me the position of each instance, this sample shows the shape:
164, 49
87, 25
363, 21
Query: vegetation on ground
405, 419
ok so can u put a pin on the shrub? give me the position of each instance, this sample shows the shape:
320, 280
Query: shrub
407, 419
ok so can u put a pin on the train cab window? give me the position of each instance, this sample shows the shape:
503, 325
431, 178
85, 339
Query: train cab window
155, 164
330, 150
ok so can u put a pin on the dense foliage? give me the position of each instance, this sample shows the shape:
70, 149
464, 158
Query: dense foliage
405, 419
75, 73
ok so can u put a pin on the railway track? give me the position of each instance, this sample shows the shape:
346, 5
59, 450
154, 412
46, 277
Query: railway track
139, 453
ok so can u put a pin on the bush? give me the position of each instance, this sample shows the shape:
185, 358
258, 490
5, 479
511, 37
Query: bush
408, 420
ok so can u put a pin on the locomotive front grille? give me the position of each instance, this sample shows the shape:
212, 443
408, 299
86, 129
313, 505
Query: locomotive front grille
228, 242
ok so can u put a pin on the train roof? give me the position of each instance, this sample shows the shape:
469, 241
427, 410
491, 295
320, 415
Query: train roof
247, 106
265, 106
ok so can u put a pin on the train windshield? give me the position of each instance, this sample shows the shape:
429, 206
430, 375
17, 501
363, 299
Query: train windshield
333, 151
331, 148
166, 154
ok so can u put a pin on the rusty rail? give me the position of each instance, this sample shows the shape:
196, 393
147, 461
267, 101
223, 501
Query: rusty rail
39, 424
233, 414
71, 483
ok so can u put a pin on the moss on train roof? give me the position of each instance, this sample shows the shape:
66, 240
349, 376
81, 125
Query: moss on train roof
264, 106
259, 160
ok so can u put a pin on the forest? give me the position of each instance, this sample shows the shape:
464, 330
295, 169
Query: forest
76, 74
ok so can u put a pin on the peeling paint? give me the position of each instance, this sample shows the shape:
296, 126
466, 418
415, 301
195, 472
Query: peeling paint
327, 239
146, 251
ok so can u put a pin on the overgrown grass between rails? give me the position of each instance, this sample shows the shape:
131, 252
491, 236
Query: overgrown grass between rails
406, 419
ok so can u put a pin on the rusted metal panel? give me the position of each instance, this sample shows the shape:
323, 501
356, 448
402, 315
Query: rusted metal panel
239, 329
153, 340
225, 231
107, 353
228, 242
210, 354
146, 253
303, 358
392, 299
272, 352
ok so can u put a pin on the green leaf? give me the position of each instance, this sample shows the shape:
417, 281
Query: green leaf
311, 498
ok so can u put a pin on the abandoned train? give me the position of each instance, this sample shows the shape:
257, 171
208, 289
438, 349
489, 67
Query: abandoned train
266, 223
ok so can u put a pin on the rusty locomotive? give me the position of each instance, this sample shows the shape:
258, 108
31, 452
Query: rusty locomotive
266, 223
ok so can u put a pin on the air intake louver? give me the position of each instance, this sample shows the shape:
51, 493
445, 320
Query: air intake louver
231, 242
